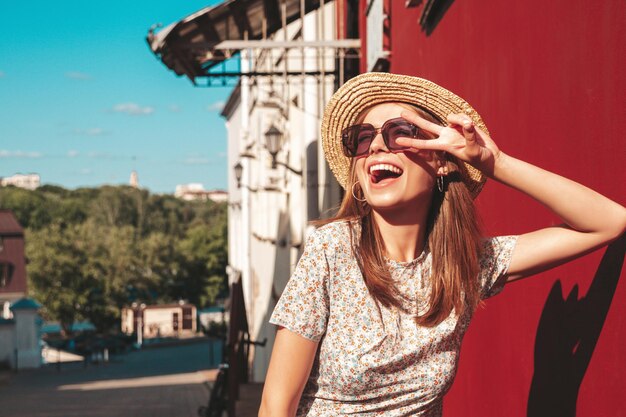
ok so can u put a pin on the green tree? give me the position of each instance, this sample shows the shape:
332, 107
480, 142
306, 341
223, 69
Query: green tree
30, 208
55, 275
205, 257
93, 251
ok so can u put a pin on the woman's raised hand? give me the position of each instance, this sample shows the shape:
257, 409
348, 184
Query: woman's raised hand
460, 138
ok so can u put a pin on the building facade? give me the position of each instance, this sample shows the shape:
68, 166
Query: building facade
27, 181
277, 192
154, 321
13, 285
290, 56
196, 191
19, 319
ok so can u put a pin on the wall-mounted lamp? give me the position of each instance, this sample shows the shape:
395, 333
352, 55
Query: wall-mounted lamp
238, 173
273, 141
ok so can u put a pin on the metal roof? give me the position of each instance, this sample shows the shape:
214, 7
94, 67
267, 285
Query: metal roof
25, 304
188, 48
9, 226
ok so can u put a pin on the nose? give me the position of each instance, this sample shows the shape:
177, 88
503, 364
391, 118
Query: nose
378, 144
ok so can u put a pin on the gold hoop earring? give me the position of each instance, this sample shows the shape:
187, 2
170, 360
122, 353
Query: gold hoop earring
440, 183
354, 195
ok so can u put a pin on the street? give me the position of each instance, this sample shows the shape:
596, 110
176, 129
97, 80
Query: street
155, 382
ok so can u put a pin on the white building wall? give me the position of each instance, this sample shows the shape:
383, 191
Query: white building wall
27, 339
236, 246
7, 344
269, 214
160, 322
27, 181
127, 321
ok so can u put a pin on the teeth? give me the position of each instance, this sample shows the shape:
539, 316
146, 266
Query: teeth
385, 167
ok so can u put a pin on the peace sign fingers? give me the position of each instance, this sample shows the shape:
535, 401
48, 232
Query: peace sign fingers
422, 123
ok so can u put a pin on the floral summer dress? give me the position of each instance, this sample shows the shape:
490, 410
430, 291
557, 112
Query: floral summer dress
375, 361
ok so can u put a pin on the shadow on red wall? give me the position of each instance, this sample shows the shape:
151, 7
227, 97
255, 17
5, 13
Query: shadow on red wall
567, 335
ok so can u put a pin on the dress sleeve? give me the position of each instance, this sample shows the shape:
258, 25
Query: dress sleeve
303, 307
494, 263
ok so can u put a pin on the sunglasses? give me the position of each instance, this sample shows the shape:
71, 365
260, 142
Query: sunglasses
357, 139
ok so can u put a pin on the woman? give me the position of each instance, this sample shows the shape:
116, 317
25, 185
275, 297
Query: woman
372, 319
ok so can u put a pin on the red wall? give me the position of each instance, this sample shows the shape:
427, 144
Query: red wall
13, 252
548, 78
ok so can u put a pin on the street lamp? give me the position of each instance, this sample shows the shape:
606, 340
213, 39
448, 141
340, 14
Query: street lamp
273, 141
238, 173
273, 137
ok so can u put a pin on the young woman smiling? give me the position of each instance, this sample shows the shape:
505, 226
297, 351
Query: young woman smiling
372, 320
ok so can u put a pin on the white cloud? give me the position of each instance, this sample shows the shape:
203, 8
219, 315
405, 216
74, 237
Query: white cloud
217, 106
2, 74
99, 155
106, 155
86, 171
19, 154
72, 153
174, 108
94, 131
196, 160
133, 109
76, 75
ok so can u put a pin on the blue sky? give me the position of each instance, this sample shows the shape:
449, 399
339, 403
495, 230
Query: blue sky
83, 101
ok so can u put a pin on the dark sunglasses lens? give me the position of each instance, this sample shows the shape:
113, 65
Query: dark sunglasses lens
399, 129
364, 140
357, 139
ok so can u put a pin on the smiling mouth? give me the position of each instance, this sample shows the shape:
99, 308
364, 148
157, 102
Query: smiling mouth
381, 172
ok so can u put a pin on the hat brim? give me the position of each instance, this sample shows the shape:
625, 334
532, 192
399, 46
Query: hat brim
369, 89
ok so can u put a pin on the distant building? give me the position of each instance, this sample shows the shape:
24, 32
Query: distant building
134, 179
196, 191
12, 262
218, 196
27, 181
19, 319
20, 344
168, 320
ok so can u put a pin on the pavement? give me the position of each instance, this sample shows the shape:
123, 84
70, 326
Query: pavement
168, 381
249, 400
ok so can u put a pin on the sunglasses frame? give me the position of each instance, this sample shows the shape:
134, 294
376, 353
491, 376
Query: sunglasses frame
384, 130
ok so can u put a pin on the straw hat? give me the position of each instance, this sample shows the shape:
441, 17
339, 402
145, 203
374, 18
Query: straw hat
369, 89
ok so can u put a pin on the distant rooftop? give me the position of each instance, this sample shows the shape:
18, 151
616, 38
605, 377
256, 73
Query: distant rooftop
196, 191
9, 226
25, 304
27, 181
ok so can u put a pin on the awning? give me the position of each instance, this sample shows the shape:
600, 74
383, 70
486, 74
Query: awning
188, 47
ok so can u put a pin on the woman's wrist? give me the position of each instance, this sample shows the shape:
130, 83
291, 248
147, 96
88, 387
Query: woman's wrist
500, 167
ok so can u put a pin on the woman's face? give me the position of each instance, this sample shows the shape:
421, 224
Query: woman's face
398, 180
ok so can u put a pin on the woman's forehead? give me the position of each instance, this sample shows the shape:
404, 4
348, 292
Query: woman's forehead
384, 111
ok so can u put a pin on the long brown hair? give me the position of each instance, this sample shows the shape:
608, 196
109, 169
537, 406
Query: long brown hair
454, 239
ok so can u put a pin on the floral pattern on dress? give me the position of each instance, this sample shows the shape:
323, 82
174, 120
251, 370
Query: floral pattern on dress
373, 360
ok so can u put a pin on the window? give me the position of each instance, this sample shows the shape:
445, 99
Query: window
6, 273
